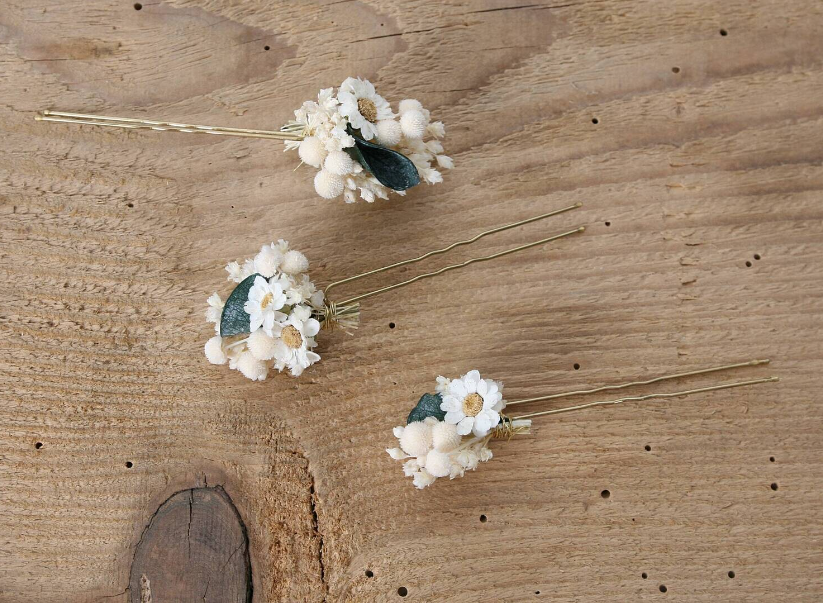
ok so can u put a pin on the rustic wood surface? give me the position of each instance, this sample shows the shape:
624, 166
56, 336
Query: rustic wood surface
692, 130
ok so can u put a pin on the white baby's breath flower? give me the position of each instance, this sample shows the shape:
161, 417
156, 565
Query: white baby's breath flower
472, 404
215, 309
235, 272
363, 106
442, 385
264, 304
294, 263
422, 479
268, 261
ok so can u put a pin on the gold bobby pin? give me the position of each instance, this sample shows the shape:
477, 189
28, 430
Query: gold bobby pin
286, 134
345, 314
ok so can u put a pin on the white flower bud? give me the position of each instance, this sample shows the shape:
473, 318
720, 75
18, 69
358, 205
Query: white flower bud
214, 351
438, 464
445, 162
312, 151
410, 105
261, 345
422, 479
396, 453
338, 162
389, 133
328, 185
413, 123
445, 437
416, 439
252, 368
294, 263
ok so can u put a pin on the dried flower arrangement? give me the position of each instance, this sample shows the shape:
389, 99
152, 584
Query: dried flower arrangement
449, 432
359, 145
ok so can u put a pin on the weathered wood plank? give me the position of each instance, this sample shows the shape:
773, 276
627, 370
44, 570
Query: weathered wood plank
110, 242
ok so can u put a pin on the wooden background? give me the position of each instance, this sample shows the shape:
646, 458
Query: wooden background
707, 151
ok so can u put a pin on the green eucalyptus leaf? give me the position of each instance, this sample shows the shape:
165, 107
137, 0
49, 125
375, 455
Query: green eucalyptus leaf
394, 170
235, 320
427, 406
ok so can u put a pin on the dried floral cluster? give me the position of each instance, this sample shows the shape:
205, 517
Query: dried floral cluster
361, 146
448, 432
268, 321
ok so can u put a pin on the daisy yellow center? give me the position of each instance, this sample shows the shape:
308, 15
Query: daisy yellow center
291, 336
367, 109
266, 300
472, 404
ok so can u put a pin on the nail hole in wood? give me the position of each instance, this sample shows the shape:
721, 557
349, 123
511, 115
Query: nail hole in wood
748, 263
605, 494
267, 47
675, 70
537, 593
757, 256
608, 223
663, 589
38, 445
595, 120
130, 205
138, 6
644, 575
483, 518
576, 365
731, 574
402, 592
392, 325
771, 458
369, 574
129, 464
723, 32
774, 486
648, 448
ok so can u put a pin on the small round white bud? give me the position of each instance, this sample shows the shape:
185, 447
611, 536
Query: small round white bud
413, 123
445, 437
416, 439
338, 162
328, 185
410, 105
312, 151
261, 345
438, 464
214, 351
388, 133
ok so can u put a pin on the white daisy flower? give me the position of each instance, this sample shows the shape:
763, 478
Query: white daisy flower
473, 404
264, 304
363, 106
296, 338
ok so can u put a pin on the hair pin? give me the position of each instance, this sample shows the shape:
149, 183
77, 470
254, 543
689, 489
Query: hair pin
448, 432
354, 138
273, 314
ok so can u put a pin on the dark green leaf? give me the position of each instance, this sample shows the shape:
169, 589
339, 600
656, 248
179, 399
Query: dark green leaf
427, 406
394, 170
235, 319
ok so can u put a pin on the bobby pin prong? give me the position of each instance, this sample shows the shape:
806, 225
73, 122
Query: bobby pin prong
638, 383
135, 123
460, 265
645, 397
453, 245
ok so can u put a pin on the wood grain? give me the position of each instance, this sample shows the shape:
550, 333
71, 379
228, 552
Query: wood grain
194, 549
691, 130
